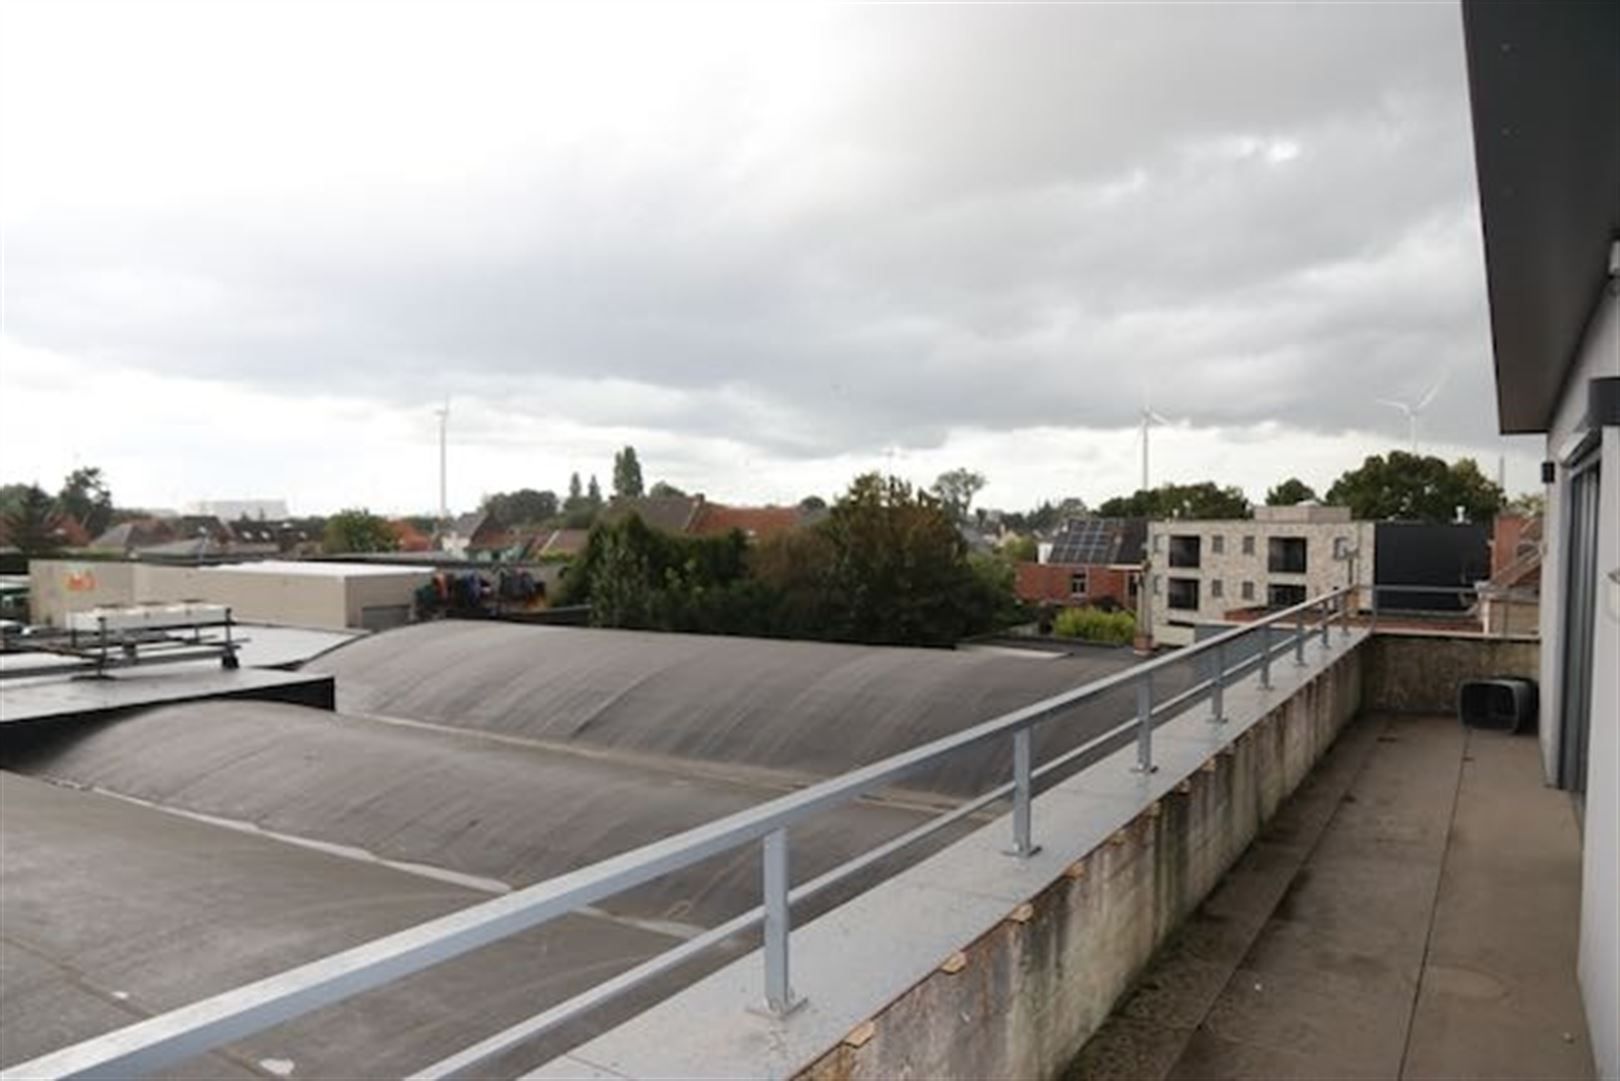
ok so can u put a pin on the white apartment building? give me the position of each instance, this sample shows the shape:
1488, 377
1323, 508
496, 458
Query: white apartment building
1202, 570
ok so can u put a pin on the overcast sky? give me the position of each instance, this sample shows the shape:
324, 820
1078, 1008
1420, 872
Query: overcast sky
249, 249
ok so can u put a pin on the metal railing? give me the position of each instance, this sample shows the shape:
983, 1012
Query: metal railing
1415, 604
173, 1037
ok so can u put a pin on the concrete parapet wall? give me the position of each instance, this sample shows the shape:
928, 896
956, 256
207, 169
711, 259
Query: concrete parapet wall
1419, 672
973, 963
1022, 1000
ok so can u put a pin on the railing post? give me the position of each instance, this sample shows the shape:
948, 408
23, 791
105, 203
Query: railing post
1372, 624
1327, 626
1265, 656
779, 997
1023, 846
1144, 725
1299, 639
1217, 693
1345, 604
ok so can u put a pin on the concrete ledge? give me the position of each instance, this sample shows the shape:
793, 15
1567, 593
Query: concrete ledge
972, 963
1419, 672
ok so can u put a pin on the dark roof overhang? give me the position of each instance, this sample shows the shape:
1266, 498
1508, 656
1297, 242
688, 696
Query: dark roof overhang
1544, 82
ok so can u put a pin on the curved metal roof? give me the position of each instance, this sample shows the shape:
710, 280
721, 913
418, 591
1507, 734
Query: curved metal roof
811, 708
450, 801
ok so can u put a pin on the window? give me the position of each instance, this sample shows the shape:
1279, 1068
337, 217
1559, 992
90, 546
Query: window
1341, 547
1184, 551
1248, 587
1284, 596
1077, 584
1217, 543
1216, 588
1285, 555
1184, 593
1248, 545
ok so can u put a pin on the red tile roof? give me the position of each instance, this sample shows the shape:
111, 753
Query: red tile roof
756, 523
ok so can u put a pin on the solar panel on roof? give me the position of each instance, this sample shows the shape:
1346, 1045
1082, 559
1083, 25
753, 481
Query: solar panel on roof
1089, 540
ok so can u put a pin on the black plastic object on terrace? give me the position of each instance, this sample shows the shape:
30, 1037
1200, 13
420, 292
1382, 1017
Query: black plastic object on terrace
1506, 704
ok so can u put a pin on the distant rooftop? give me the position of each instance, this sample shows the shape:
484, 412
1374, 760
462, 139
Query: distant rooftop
311, 568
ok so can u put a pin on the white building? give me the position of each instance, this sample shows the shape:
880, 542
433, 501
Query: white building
1202, 570
233, 510
1544, 80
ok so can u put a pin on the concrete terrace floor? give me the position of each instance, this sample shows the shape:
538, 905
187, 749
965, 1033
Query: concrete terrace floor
1411, 912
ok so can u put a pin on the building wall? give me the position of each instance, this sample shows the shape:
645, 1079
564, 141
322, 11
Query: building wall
1026, 997
1420, 671
1232, 567
326, 601
373, 602
1600, 900
59, 587
1049, 583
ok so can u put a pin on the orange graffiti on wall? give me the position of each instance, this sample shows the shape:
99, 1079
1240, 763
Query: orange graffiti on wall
81, 581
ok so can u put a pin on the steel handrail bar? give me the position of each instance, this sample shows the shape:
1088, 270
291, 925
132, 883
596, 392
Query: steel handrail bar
198, 1027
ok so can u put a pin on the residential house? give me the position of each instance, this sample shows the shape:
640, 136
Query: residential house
671, 513
1088, 561
755, 523
560, 543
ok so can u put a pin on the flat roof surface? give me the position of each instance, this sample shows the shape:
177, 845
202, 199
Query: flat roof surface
311, 568
43, 698
111, 912
503, 813
258, 646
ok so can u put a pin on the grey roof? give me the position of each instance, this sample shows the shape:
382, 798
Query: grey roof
111, 912
465, 525
812, 708
457, 801
671, 513
525, 752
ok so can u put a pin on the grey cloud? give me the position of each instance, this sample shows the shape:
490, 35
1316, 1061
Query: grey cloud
1056, 208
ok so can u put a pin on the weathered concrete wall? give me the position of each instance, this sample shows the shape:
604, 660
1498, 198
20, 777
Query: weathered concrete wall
1022, 1000
1419, 672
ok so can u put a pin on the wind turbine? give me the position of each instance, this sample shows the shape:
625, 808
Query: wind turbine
444, 426
1413, 411
1148, 420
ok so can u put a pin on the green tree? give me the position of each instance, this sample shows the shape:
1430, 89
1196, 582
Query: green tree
575, 491
87, 498
32, 524
1021, 549
635, 576
593, 494
522, 507
1095, 625
1416, 487
626, 474
900, 573
812, 503
665, 490
1202, 500
956, 489
358, 530
1290, 492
